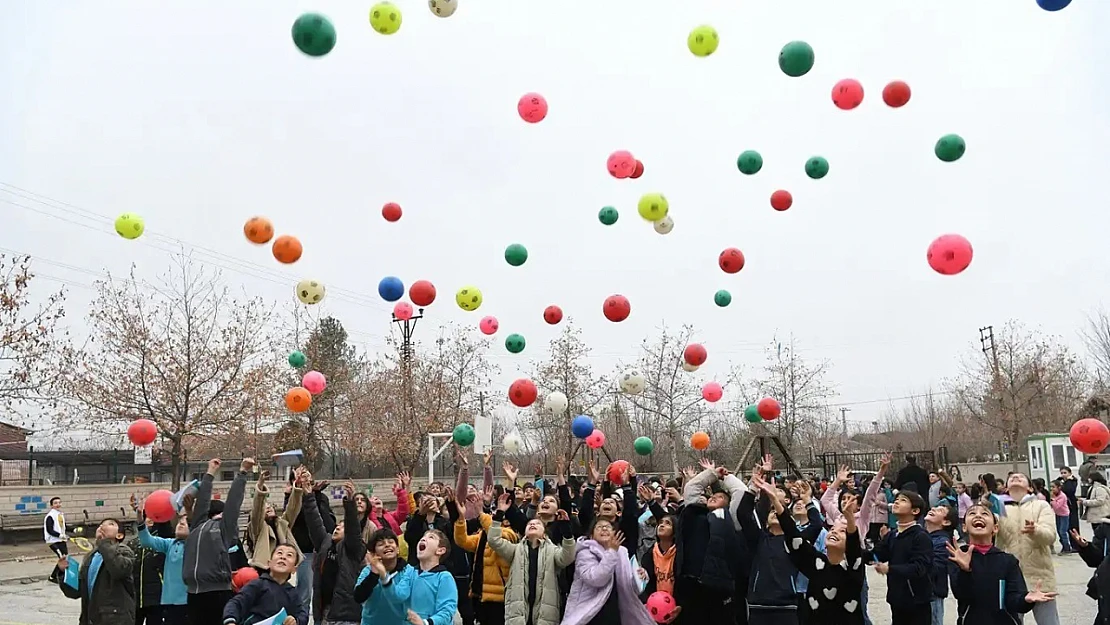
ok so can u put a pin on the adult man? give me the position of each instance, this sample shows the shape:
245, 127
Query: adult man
54, 532
1027, 530
912, 474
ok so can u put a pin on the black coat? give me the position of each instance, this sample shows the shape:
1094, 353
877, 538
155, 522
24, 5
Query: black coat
1097, 556
910, 556
300, 529
262, 598
112, 601
147, 574
911, 473
336, 565
771, 581
992, 593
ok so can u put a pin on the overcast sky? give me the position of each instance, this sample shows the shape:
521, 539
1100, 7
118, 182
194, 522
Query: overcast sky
199, 117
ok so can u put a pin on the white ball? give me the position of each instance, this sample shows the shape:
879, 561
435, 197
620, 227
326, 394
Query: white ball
310, 291
512, 443
664, 225
443, 8
632, 382
689, 367
556, 403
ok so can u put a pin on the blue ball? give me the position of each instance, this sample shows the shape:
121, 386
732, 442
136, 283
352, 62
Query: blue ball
582, 426
391, 288
1053, 5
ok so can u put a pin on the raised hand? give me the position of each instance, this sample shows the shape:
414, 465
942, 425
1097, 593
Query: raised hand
261, 483
707, 464
959, 556
460, 457
503, 503
616, 540
1076, 539
851, 508
884, 462
510, 471
406, 479
842, 474
349, 489
247, 465
1036, 596
561, 515
645, 492
768, 463
689, 472
487, 457
487, 495
213, 467
591, 468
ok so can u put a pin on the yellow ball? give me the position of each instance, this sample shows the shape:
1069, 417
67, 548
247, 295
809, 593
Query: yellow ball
130, 226
653, 206
469, 298
310, 292
703, 41
385, 17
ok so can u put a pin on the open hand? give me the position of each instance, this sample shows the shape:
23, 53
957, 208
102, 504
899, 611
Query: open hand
349, 489
561, 515
1036, 596
616, 540
961, 557
510, 471
247, 465
1076, 539
503, 503
415, 619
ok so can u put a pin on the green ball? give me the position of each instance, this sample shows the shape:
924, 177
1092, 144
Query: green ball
751, 414
722, 298
313, 34
950, 148
643, 446
514, 343
608, 215
817, 167
296, 360
463, 435
749, 162
516, 254
796, 58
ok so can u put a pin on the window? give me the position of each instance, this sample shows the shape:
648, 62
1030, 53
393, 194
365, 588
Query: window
1073, 460
1058, 459
1036, 458
227, 476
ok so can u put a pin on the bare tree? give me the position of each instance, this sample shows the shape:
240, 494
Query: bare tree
31, 339
927, 421
183, 353
1096, 337
801, 388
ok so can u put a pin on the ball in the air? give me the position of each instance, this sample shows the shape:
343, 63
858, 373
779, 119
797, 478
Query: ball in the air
463, 435
130, 226
896, 94
443, 8
653, 206
722, 298
950, 148
643, 446
142, 432
689, 368
512, 443
949, 254
731, 260
608, 215
703, 41
516, 254
582, 426
556, 403
621, 164
313, 34
488, 325
847, 94
522, 393
532, 108
664, 225
391, 288
469, 298
310, 292
391, 212
781, 200
695, 354
616, 308
552, 314
751, 414
796, 58
632, 382
1089, 435
385, 18
514, 343
297, 359
1053, 5
817, 167
749, 162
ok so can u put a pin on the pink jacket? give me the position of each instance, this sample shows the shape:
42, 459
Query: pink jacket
1060, 504
395, 518
829, 505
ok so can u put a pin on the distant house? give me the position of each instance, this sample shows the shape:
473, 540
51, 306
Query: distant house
13, 447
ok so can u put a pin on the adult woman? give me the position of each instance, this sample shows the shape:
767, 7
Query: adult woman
1097, 501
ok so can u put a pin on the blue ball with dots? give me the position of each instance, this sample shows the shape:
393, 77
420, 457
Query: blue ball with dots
582, 426
1053, 5
391, 288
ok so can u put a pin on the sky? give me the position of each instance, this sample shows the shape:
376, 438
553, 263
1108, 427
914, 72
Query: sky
200, 118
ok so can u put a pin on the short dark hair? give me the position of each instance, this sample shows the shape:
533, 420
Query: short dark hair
53, 499
383, 534
916, 500
910, 459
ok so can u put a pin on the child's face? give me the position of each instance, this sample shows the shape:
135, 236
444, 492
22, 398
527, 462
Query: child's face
902, 506
835, 539
603, 532
386, 549
960, 489
534, 530
548, 505
108, 529
937, 515
1054, 489
284, 560
271, 514
979, 523
429, 547
665, 529
338, 533
361, 503
181, 530
608, 507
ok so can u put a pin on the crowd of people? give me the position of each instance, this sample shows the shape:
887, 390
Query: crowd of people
612, 548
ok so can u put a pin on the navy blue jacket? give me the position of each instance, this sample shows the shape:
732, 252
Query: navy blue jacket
909, 553
993, 592
262, 598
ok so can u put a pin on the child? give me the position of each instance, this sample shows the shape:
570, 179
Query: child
490, 571
938, 523
987, 582
1094, 553
271, 593
835, 577
339, 558
384, 565
265, 528
107, 571
1028, 532
148, 570
431, 596
532, 595
771, 588
1059, 501
604, 589
174, 597
963, 502
906, 557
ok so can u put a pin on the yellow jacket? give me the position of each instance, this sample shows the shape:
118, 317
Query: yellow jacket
495, 570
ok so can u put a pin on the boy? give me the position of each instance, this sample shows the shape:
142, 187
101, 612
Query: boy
987, 582
383, 565
432, 596
104, 582
271, 593
939, 522
54, 532
338, 562
905, 556
173, 597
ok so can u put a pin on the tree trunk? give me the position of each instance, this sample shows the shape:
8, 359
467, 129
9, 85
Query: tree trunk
175, 465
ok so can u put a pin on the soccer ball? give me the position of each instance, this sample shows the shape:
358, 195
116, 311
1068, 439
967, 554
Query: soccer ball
468, 298
310, 292
385, 18
632, 382
664, 225
443, 8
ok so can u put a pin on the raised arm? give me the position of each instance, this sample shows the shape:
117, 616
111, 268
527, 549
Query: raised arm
234, 503
118, 559
204, 494
499, 545
872, 492
256, 524
294, 505
694, 489
352, 537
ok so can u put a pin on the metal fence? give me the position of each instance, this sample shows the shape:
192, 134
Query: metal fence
869, 461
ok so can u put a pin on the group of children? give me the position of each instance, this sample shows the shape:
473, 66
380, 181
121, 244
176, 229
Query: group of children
702, 547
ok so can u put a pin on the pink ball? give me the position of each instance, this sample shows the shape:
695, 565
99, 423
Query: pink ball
159, 506
314, 382
596, 439
532, 108
621, 164
488, 325
402, 311
949, 254
660, 605
847, 94
712, 392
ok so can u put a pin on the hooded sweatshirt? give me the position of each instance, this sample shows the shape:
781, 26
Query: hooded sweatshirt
771, 583
993, 592
207, 567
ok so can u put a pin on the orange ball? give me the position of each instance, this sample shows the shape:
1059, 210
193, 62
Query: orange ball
242, 577
287, 249
298, 399
258, 230
699, 441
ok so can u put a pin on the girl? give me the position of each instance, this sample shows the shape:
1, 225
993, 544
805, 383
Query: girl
265, 528
604, 591
987, 582
1097, 501
772, 591
659, 562
963, 502
1059, 502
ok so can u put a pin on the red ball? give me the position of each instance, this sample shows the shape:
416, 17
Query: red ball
847, 94
391, 211
142, 432
768, 409
1089, 436
660, 605
949, 254
616, 308
522, 393
781, 200
695, 354
159, 506
896, 94
639, 171
553, 314
422, 293
242, 577
616, 470
731, 260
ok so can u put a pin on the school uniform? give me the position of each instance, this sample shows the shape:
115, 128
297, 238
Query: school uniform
833, 594
993, 592
909, 587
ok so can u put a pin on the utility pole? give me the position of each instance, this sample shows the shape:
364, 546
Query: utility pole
844, 422
407, 326
986, 340
482, 403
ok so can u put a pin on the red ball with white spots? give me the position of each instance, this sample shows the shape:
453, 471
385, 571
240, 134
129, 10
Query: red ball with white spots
731, 260
949, 254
